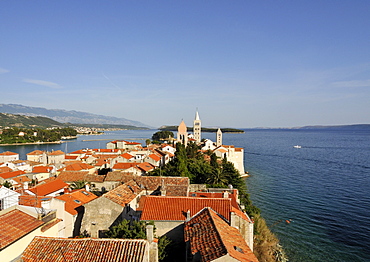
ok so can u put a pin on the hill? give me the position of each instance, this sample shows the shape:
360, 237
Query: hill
64, 116
10, 120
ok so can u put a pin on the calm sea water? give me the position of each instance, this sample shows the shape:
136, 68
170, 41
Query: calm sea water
323, 187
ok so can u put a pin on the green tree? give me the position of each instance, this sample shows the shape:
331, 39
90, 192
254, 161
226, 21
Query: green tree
78, 184
162, 135
7, 184
137, 230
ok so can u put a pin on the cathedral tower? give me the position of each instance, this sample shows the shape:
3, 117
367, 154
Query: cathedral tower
182, 133
219, 138
197, 128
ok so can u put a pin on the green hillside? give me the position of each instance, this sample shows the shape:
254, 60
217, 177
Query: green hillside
23, 121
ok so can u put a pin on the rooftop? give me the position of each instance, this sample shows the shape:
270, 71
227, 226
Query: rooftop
14, 225
48, 249
165, 208
213, 238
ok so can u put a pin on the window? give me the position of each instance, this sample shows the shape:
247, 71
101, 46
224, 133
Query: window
77, 201
1, 204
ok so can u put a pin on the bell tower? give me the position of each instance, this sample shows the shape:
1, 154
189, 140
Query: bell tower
182, 133
197, 128
219, 138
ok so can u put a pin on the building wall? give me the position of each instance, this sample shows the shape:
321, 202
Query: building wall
226, 258
245, 228
8, 198
100, 214
66, 226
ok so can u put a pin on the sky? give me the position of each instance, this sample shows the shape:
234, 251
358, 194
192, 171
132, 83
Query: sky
242, 63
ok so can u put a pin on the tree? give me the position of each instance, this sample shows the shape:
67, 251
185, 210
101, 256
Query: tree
78, 184
137, 230
162, 135
7, 184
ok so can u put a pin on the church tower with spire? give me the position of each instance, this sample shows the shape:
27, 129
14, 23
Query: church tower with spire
197, 128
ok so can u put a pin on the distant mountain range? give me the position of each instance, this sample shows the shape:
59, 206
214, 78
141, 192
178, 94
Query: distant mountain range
64, 116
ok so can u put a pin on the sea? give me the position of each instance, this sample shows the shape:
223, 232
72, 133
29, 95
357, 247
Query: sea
315, 199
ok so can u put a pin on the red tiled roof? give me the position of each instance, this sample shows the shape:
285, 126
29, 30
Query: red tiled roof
155, 157
127, 156
104, 150
56, 153
75, 199
49, 249
32, 201
126, 142
213, 238
123, 194
146, 167
216, 195
21, 179
12, 174
42, 169
72, 176
165, 208
36, 152
124, 165
48, 188
14, 225
5, 169
8, 153
67, 157
78, 167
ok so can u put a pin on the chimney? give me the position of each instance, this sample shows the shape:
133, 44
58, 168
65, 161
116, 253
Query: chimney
25, 185
150, 233
188, 215
225, 194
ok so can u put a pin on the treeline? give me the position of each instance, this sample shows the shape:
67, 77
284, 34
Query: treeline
206, 169
22, 135
204, 129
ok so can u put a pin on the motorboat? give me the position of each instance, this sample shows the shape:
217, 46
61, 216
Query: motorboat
297, 146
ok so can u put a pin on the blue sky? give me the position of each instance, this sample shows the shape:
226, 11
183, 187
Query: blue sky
241, 63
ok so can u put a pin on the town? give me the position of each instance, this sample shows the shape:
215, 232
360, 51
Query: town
120, 203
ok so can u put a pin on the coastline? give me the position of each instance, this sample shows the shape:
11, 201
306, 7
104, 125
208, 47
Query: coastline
33, 143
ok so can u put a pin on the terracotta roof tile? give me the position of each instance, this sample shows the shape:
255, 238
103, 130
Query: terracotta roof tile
56, 153
8, 153
21, 179
165, 208
42, 169
118, 176
32, 201
5, 169
12, 174
72, 176
75, 199
36, 152
213, 238
48, 249
127, 156
145, 166
123, 166
14, 225
48, 188
78, 167
124, 194
155, 157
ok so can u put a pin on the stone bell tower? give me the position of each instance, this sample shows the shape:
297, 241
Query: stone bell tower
219, 138
197, 128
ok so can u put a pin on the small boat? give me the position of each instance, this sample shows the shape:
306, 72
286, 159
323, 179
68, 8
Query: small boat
297, 146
